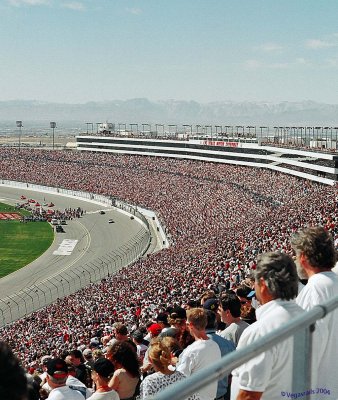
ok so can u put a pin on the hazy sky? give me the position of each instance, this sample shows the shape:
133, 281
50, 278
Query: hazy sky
203, 50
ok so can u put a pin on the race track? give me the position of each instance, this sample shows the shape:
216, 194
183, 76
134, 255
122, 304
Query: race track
101, 248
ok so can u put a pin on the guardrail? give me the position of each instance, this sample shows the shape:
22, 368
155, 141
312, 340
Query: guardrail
300, 327
59, 285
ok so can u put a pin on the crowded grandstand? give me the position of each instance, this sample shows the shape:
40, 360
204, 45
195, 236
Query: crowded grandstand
218, 219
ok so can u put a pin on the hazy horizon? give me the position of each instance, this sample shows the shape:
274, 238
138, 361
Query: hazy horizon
79, 51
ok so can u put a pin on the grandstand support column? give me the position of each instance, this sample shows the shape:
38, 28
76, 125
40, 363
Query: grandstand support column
53, 126
175, 131
218, 130
197, 128
185, 126
19, 125
326, 128
156, 129
301, 135
302, 355
131, 128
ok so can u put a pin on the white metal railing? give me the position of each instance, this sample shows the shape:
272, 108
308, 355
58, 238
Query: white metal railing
300, 327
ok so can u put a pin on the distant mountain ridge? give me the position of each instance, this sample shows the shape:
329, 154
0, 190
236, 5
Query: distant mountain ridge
143, 110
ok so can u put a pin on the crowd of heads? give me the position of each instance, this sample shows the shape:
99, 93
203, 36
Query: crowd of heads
219, 219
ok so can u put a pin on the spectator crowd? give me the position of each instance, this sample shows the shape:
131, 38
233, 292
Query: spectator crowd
218, 218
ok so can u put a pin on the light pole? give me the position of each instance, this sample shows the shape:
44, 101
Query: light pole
131, 128
197, 127
156, 128
53, 126
172, 126
143, 129
216, 129
90, 124
19, 125
185, 129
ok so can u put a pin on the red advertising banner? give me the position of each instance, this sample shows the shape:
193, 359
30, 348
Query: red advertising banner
12, 216
219, 143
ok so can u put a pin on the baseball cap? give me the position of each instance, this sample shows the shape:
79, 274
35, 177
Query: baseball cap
155, 329
211, 304
87, 353
57, 368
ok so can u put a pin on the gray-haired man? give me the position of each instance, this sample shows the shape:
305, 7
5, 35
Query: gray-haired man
316, 256
269, 374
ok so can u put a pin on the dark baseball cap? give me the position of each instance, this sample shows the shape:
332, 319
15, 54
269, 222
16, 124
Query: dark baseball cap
57, 368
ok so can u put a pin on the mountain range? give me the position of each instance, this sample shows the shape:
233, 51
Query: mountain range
142, 110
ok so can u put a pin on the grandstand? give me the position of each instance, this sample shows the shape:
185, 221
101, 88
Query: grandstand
308, 163
218, 216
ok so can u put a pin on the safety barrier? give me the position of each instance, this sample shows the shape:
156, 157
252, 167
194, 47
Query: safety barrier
59, 285
300, 327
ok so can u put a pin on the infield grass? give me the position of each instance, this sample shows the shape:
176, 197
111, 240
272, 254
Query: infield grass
21, 243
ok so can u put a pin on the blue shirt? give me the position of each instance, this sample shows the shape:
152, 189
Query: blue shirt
226, 347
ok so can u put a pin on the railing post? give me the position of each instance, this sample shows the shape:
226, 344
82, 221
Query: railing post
302, 361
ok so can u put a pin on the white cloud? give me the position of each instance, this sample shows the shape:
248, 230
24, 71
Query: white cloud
18, 3
74, 5
256, 64
269, 47
319, 44
134, 11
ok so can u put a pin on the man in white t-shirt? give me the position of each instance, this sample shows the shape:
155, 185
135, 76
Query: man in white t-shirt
201, 353
315, 258
230, 312
57, 373
269, 374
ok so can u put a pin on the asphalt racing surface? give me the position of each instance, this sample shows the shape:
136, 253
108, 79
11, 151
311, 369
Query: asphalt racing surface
86, 240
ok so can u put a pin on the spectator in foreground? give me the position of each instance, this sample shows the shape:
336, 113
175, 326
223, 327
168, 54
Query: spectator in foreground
165, 374
201, 353
270, 373
13, 381
57, 374
127, 372
316, 257
230, 311
102, 372
225, 346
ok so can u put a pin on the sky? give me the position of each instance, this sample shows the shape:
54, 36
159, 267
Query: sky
77, 51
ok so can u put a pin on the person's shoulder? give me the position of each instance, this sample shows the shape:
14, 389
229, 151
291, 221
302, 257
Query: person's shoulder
320, 287
150, 379
119, 371
242, 324
65, 392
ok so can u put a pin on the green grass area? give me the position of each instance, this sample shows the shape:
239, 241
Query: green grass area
21, 243
7, 208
